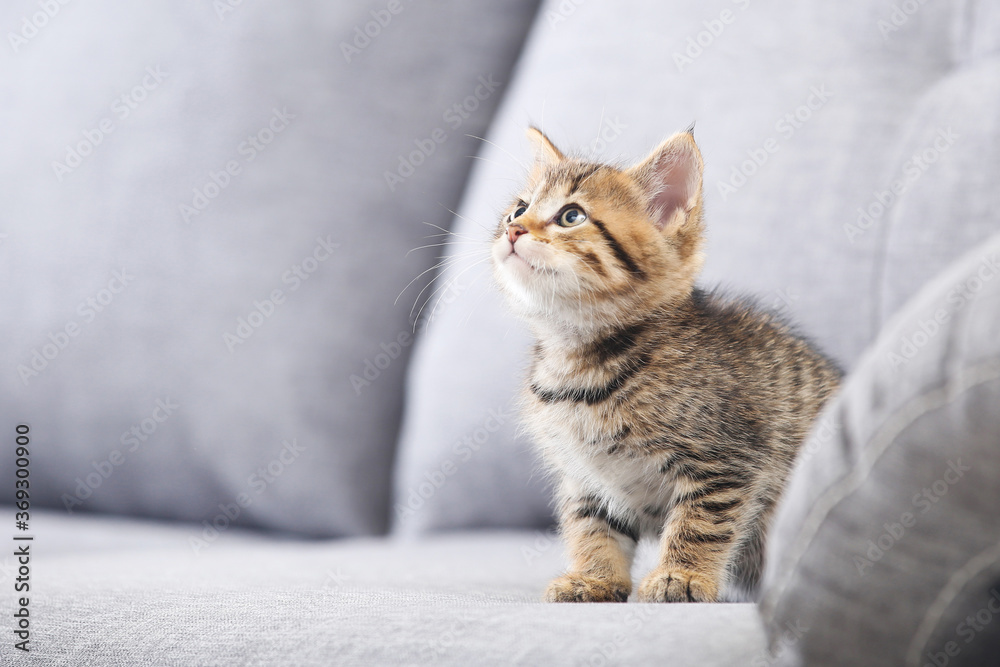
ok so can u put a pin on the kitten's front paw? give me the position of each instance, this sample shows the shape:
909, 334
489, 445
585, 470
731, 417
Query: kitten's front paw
580, 588
677, 585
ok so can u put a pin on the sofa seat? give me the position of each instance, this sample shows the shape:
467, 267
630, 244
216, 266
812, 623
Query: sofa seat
116, 591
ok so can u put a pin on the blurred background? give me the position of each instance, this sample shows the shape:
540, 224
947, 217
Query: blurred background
169, 168
216, 220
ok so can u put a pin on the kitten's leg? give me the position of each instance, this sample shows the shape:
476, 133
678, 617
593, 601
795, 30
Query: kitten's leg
699, 539
747, 565
601, 548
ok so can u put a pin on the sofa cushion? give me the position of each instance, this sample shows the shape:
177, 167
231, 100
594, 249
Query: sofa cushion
946, 197
207, 214
461, 599
885, 544
800, 128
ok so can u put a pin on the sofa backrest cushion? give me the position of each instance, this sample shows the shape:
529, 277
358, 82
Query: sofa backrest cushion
207, 214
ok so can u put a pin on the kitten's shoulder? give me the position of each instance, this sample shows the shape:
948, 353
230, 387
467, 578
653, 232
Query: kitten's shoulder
729, 307
738, 316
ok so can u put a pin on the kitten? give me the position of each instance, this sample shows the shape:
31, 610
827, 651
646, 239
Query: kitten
661, 409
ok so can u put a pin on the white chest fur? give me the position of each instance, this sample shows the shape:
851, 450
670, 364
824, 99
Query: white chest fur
578, 441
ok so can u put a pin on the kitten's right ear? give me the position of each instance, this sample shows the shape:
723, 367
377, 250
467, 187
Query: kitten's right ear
546, 152
672, 180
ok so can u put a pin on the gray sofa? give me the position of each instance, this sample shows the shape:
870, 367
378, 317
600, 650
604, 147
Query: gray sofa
246, 448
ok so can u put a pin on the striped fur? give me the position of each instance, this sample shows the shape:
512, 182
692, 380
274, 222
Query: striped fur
661, 410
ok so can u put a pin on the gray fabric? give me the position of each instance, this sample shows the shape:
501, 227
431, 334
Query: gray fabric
462, 599
783, 236
976, 35
954, 136
337, 121
887, 540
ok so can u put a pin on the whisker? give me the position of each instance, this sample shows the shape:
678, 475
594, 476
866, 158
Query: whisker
512, 156
482, 296
443, 235
438, 245
441, 263
448, 231
467, 219
450, 261
446, 283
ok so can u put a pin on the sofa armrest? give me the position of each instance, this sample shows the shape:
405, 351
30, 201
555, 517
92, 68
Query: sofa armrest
886, 546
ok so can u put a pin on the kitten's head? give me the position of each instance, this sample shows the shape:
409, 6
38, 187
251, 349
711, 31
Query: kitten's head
586, 244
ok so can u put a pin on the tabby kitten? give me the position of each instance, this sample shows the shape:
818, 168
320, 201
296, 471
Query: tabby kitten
661, 409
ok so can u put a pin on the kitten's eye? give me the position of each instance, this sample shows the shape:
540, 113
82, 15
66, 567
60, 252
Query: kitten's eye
518, 212
572, 217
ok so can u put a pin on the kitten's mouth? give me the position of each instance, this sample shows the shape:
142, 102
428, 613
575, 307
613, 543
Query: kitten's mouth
522, 260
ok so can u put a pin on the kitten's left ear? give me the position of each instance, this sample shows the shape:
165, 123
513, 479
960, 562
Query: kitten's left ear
546, 152
671, 178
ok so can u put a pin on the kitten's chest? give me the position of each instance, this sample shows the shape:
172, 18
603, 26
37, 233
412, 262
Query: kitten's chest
593, 442
591, 413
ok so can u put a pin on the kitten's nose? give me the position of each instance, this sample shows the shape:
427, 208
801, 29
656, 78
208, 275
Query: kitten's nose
515, 230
